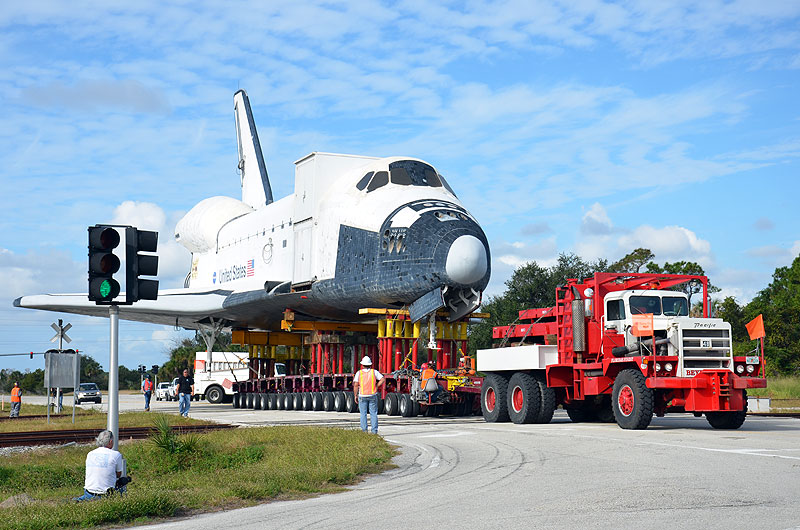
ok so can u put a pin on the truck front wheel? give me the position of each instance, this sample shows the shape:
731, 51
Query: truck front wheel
524, 398
632, 401
494, 398
728, 420
215, 394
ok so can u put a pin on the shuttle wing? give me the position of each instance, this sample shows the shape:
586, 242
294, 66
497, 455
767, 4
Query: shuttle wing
191, 309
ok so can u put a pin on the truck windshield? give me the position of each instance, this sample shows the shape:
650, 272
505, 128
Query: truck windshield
641, 305
675, 306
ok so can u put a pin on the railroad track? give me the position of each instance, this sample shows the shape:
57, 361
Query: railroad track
10, 439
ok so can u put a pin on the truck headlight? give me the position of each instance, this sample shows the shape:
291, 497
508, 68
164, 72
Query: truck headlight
668, 367
750, 368
739, 369
658, 367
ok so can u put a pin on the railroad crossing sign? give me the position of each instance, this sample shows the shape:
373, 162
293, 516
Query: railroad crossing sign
61, 332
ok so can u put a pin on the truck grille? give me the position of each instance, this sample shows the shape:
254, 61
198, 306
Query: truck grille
706, 349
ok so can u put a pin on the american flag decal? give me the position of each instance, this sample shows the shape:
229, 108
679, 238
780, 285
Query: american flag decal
251, 268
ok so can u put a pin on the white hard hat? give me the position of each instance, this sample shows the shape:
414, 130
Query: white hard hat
366, 361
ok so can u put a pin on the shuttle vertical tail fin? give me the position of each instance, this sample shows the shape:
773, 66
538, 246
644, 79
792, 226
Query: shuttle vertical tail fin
256, 191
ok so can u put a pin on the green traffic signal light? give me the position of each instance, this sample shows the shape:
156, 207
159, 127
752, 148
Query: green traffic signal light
103, 263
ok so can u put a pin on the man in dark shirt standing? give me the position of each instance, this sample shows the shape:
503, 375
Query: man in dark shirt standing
185, 392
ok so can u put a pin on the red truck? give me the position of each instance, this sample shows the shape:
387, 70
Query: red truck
618, 347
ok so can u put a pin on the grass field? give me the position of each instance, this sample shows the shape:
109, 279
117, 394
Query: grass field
84, 419
778, 388
198, 473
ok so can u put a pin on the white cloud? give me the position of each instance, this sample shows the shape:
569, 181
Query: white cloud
596, 221
173, 259
670, 243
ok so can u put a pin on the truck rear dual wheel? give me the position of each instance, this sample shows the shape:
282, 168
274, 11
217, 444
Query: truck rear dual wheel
391, 405
524, 398
632, 400
494, 402
548, 400
236, 400
406, 405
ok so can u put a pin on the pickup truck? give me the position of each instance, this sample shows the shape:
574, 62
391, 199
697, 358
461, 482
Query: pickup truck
162, 392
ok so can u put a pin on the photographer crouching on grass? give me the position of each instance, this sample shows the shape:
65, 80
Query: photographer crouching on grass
104, 468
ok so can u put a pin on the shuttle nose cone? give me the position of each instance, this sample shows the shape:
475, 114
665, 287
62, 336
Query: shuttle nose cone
466, 260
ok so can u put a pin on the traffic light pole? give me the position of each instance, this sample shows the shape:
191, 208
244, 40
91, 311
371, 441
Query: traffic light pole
113, 375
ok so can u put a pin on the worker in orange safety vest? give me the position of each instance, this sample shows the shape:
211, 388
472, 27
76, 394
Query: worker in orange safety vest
367, 384
426, 373
147, 390
16, 400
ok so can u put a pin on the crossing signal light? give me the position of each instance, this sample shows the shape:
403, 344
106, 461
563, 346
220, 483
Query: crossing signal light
103, 263
138, 264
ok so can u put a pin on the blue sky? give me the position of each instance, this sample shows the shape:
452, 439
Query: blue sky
579, 126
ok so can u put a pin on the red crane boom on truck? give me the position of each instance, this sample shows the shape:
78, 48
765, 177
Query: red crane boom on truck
586, 354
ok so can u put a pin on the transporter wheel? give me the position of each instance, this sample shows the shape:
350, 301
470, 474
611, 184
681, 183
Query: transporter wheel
297, 401
281, 404
288, 402
432, 411
580, 412
415, 405
264, 401
524, 402
632, 400
391, 405
406, 406
327, 401
307, 405
351, 405
274, 402
548, 400
339, 401
494, 402
214, 394
236, 400
249, 400
381, 405
316, 401
256, 401
728, 420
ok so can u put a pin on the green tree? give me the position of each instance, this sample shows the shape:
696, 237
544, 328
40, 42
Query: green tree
731, 312
779, 303
684, 267
633, 261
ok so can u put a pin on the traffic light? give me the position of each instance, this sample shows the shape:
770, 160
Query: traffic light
103, 263
137, 264
155, 368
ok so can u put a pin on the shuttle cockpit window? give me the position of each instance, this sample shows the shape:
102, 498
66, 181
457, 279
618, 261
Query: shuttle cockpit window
364, 180
413, 173
381, 178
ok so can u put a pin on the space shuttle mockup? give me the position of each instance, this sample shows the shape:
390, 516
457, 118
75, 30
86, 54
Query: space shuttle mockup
357, 232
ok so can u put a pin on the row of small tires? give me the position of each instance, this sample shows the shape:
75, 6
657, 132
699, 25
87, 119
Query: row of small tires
525, 398
395, 404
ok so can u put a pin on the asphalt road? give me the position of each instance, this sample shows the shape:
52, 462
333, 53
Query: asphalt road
463, 472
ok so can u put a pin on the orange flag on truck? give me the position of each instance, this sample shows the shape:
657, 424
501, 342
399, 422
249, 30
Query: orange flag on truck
755, 328
642, 325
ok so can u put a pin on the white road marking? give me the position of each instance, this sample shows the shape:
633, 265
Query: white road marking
752, 452
445, 435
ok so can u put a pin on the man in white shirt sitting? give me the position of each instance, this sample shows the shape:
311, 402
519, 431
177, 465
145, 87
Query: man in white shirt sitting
104, 466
